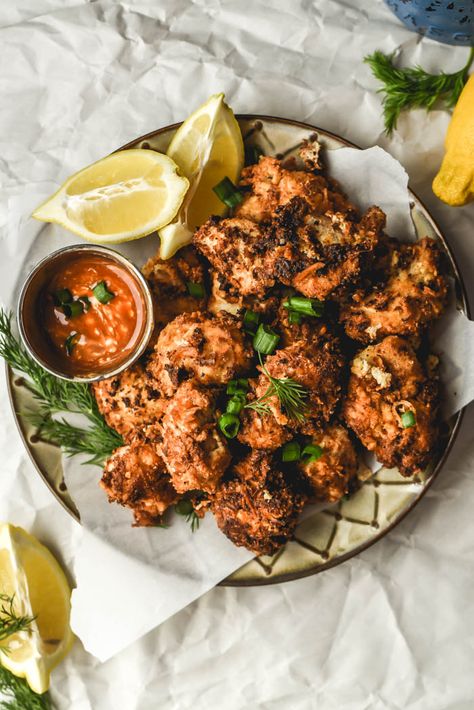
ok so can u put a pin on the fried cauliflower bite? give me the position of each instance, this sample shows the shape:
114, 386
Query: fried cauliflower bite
135, 476
330, 475
319, 367
168, 282
209, 348
308, 329
129, 401
268, 185
386, 381
414, 295
193, 450
257, 508
225, 297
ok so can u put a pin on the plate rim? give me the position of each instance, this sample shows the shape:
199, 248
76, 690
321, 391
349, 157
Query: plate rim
340, 559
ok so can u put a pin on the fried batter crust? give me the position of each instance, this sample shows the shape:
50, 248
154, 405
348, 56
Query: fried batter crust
193, 450
257, 508
330, 475
129, 401
209, 348
386, 380
415, 293
135, 476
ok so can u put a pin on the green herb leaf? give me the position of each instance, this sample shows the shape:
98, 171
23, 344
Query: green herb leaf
291, 452
10, 621
196, 290
304, 306
85, 302
70, 342
311, 452
102, 293
62, 296
185, 507
291, 394
239, 386
413, 87
408, 419
251, 322
73, 309
228, 193
265, 340
229, 424
17, 694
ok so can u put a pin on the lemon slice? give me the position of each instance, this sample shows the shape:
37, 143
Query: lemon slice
124, 196
30, 572
207, 147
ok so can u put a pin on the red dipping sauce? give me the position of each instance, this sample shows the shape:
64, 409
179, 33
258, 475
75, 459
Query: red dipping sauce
85, 313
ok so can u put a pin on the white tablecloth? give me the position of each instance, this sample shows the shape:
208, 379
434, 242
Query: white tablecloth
393, 628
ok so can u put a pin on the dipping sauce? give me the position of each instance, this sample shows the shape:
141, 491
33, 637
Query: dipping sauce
93, 312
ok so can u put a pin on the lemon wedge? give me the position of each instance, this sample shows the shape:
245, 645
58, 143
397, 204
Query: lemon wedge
124, 196
30, 572
207, 147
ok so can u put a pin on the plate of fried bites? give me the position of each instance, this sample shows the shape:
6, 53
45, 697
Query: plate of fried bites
290, 388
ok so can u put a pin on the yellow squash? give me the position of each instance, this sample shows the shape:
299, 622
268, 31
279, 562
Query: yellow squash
454, 184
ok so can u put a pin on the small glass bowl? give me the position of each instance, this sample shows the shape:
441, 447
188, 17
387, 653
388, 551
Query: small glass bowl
35, 338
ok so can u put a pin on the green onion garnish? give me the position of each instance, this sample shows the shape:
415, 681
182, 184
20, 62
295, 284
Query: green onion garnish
73, 309
70, 342
229, 424
252, 154
251, 322
408, 420
184, 507
85, 302
196, 290
295, 318
305, 306
236, 404
62, 296
312, 452
240, 386
265, 340
291, 452
102, 293
227, 192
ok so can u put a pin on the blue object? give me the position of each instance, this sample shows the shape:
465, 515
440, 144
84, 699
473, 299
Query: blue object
448, 21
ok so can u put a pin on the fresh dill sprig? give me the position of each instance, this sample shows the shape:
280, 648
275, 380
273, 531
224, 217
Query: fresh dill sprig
10, 622
291, 394
55, 395
17, 694
413, 87
185, 508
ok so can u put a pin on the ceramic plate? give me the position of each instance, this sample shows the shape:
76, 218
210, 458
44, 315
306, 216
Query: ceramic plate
327, 537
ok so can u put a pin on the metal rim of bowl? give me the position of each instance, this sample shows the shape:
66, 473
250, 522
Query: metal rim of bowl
291, 576
127, 264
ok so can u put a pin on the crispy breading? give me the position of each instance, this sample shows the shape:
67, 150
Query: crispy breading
225, 297
319, 367
415, 294
135, 476
194, 451
387, 380
308, 329
209, 348
268, 185
129, 401
330, 475
257, 508
168, 282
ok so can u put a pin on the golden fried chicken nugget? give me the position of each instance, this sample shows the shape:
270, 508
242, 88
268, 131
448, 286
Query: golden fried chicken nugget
129, 401
257, 508
414, 294
169, 282
330, 475
194, 451
135, 476
208, 348
392, 405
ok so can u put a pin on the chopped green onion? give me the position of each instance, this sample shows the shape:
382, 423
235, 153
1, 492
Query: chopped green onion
102, 293
70, 342
291, 452
251, 322
265, 340
305, 306
228, 193
295, 318
312, 452
236, 404
252, 154
184, 507
229, 424
62, 296
196, 290
85, 302
240, 386
408, 420
73, 309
